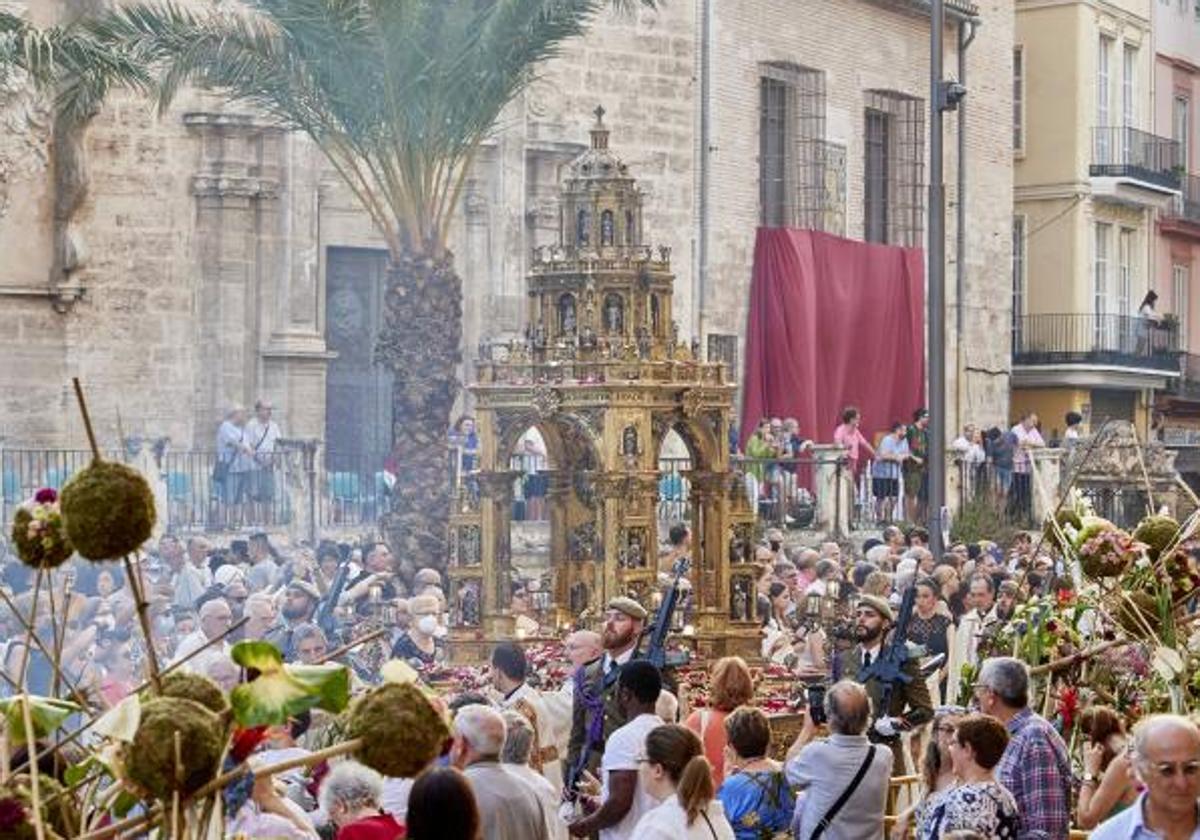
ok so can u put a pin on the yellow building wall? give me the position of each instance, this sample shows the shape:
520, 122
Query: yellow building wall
1058, 46
1050, 404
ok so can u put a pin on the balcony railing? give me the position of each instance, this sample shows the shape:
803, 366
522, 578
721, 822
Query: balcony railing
1127, 341
1121, 152
1187, 205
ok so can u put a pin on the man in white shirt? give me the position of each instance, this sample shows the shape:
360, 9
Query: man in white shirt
1166, 759
1026, 437
509, 668
262, 434
975, 622
622, 798
215, 618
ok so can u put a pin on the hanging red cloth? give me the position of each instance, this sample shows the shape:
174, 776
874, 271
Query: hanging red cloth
833, 322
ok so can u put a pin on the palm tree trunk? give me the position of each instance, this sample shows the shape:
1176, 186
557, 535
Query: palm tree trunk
421, 342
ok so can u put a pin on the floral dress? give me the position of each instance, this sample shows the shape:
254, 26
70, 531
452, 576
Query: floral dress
984, 807
758, 805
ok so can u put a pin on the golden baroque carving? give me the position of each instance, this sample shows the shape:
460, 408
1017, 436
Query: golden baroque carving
546, 401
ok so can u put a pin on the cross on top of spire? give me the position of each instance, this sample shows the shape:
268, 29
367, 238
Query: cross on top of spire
599, 130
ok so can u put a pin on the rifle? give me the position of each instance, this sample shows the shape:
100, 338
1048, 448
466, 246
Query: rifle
656, 650
325, 618
888, 667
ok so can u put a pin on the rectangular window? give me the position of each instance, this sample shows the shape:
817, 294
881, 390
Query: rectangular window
1018, 99
1101, 304
1104, 133
1018, 279
894, 168
1129, 87
1180, 124
1126, 254
791, 140
875, 173
1179, 299
772, 153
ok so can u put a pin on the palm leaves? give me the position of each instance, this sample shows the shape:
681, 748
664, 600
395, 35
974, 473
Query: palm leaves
398, 94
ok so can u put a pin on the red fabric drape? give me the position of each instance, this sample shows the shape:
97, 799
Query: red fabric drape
833, 322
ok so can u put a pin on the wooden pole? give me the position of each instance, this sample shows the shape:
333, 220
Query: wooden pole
87, 419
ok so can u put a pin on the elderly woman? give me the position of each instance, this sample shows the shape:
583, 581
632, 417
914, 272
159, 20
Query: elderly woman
978, 802
420, 645
350, 798
731, 686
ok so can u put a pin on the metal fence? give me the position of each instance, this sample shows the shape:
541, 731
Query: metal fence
1066, 338
1120, 151
1006, 491
782, 491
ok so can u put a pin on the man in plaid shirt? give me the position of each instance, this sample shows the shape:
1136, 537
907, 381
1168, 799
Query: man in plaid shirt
1035, 767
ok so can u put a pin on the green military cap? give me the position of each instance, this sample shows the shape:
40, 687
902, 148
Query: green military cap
628, 606
880, 605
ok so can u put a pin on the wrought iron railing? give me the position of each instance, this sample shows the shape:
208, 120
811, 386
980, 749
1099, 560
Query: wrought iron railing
1129, 341
1187, 204
1120, 151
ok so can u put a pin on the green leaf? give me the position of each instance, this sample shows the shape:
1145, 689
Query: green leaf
124, 804
261, 656
284, 692
47, 714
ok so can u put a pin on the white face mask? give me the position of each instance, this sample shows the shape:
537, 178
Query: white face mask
427, 624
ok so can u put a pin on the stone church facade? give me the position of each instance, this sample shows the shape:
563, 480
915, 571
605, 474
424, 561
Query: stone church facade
186, 262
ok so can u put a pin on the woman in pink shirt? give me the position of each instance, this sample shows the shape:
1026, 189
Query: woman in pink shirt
851, 437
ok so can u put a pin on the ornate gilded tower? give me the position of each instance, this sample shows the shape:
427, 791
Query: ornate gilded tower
603, 376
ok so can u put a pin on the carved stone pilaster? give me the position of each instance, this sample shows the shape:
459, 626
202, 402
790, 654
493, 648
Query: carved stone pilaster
498, 486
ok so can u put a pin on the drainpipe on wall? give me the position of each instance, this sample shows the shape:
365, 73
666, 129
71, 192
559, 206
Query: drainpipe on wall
702, 222
966, 34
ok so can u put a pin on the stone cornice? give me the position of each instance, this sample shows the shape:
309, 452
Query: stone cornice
231, 186
244, 122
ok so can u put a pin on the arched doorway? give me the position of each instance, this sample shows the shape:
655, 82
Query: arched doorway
529, 530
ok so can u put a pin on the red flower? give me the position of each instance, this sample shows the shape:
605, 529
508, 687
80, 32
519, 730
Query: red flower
1066, 597
1068, 706
46, 496
245, 741
12, 814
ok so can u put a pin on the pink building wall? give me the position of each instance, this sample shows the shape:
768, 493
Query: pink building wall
1177, 74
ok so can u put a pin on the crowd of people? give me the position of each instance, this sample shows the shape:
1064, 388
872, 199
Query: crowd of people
890, 466
622, 749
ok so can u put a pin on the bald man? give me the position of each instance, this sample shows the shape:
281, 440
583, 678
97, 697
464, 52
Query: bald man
215, 619
582, 647
1166, 759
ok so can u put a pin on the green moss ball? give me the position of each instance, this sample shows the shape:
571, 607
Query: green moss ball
108, 509
1157, 532
1137, 612
195, 687
1090, 527
1066, 518
401, 730
48, 549
150, 760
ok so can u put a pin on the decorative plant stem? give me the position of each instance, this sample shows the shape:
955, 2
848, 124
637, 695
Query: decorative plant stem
34, 775
1067, 661
143, 611
349, 646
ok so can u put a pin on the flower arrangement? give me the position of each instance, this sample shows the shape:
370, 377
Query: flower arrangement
38, 532
1108, 551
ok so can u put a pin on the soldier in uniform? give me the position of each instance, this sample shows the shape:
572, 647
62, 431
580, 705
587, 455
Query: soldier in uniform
594, 710
910, 704
509, 669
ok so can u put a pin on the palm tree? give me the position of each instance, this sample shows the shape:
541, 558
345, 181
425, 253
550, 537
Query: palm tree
398, 95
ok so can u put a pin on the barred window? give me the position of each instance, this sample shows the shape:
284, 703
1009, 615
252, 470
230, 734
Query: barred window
791, 134
894, 168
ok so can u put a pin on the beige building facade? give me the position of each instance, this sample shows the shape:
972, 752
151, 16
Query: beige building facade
1092, 177
186, 262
